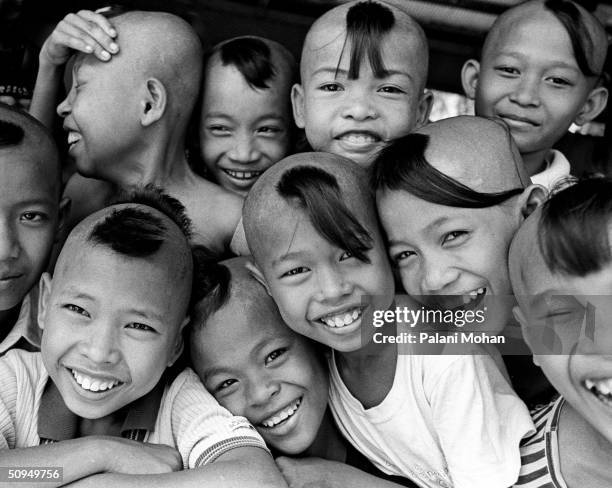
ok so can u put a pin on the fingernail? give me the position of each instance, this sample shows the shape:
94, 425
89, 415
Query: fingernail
113, 47
88, 49
113, 33
105, 55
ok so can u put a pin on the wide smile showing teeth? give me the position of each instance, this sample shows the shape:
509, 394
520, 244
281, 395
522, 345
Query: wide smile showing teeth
602, 389
90, 383
73, 137
473, 295
283, 415
243, 175
342, 319
359, 138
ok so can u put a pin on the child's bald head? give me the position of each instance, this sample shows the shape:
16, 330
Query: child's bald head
325, 187
587, 35
364, 26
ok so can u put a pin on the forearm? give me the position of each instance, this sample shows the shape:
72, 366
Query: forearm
258, 471
46, 89
78, 458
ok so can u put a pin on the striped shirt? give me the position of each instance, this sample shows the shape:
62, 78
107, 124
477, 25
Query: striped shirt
189, 418
540, 466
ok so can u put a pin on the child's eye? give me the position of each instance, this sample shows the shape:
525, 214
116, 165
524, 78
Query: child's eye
559, 81
225, 384
295, 271
33, 217
275, 355
508, 70
391, 90
76, 309
139, 326
330, 87
346, 255
401, 256
454, 236
268, 130
219, 129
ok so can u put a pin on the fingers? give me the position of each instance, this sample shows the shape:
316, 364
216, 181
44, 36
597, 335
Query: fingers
88, 32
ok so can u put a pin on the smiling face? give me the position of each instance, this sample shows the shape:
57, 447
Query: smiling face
323, 291
29, 217
355, 118
100, 116
255, 366
580, 309
530, 79
442, 251
111, 327
244, 130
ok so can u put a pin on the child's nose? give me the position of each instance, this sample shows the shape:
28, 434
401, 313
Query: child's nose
333, 285
526, 92
64, 108
100, 346
262, 390
9, 244
437, 275
360, 107
244, 151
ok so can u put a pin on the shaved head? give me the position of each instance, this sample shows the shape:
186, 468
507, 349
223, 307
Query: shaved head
476, 151
526, 260
265, 210
590, 33
334, 26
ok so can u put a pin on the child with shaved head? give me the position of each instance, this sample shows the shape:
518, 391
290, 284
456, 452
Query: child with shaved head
99, 399
31, 215
311, 224
561, 270
246, 123
126, 115
363, 73
541, 70
450, 197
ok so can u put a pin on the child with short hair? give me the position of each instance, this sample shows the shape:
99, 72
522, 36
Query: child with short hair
257, 367
541, 69
311, 224
363, 74
561, 271
31, 215
246, 124
112, 317
127, 112
450, 197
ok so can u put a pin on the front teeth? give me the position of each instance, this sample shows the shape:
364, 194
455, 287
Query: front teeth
243, 175
282, 415
473, 295
359, 138
600, 387
73, 137
342, 320
93, 384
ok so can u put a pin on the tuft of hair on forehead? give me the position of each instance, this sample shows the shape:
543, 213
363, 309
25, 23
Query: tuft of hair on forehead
574, 235
258, 60
403, 166
366, 24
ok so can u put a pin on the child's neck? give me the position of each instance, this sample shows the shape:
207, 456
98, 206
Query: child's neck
8, 319
328, 443
535, 162
584, 453
368, 373
109, 425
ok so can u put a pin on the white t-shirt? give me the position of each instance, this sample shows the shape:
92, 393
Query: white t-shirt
448, 421
557, 167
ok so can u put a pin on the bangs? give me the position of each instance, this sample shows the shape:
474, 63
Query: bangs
366, 25
318, 194
402, 166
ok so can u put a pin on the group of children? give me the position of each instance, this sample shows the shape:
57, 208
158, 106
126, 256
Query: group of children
134, 354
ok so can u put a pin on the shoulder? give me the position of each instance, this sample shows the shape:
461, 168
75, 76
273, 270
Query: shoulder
87, 195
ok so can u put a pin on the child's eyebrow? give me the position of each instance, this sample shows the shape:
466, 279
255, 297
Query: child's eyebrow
217, 370
147, 314
38, 201
344, 73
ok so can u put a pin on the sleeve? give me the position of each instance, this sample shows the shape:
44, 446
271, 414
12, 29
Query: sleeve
203, 430
9, 392
480, 422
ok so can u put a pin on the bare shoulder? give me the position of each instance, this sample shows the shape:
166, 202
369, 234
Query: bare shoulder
87, 195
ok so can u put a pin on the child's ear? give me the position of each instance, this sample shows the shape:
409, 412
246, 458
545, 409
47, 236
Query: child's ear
424, 110
594, 105
469, 77
257, 274
532, 197
154, 102
297, 102
64, 212
44, 291
180, 344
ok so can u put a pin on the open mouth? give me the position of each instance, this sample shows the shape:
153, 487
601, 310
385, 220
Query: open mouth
342, 319
601, 389
73, 138
359, 138
93, 384
465, 301
242, 175
283, 415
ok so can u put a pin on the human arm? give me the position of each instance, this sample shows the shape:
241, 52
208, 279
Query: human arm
243, 467
86, 32
317, 472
